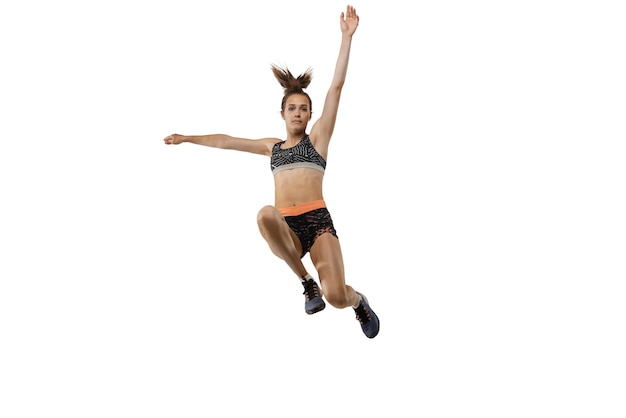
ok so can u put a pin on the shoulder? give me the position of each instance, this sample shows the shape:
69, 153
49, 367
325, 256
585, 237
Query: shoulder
318, 135
270, 143
320, 141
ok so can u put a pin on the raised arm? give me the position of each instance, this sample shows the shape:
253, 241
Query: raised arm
323, 129
261, 146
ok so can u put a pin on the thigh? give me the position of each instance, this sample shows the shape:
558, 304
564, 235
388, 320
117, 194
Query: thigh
276, 231
328, 261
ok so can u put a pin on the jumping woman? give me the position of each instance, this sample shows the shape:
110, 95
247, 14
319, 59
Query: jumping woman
299, 222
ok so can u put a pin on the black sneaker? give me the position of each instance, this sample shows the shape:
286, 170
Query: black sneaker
367, 318
313, 301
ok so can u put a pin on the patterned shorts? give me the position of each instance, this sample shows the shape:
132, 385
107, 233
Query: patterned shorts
310, 225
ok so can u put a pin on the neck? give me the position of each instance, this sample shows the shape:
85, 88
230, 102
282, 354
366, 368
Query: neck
293, 137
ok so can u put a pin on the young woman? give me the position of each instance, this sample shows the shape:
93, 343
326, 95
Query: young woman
299, 221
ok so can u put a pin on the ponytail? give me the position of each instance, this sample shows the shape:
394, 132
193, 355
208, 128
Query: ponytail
292, 85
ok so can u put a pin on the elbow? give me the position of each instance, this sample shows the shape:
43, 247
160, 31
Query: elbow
335, 89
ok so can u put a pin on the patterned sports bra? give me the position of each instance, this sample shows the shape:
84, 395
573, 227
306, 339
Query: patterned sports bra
303, 155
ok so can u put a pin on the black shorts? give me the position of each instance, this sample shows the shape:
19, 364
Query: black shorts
311, 225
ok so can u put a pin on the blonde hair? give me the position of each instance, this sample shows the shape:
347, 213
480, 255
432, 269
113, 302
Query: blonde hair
292, 85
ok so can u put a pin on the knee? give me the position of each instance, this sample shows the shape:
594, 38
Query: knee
267, 215
338, 298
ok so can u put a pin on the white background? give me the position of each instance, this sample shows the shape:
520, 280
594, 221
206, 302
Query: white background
476, 180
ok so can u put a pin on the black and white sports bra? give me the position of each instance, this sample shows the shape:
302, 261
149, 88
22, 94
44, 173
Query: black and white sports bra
303, 155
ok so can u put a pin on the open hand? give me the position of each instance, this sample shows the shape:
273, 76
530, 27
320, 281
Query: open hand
349, 21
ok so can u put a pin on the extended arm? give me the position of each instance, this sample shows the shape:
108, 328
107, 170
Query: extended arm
256, 146
323, 128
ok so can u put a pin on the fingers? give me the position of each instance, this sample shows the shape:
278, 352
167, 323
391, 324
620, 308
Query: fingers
350, 14
169, 139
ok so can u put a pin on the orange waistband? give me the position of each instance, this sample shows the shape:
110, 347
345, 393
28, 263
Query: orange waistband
302, 208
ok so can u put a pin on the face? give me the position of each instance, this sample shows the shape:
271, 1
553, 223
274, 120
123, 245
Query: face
297, 112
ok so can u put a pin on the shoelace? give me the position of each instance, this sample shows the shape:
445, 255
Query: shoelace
311, 290
362, 314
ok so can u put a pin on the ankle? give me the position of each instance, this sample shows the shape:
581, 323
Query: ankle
306, 277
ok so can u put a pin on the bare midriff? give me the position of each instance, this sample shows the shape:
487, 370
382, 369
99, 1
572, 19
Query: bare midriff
297, 186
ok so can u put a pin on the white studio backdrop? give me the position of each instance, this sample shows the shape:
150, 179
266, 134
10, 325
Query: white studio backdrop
475, 178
